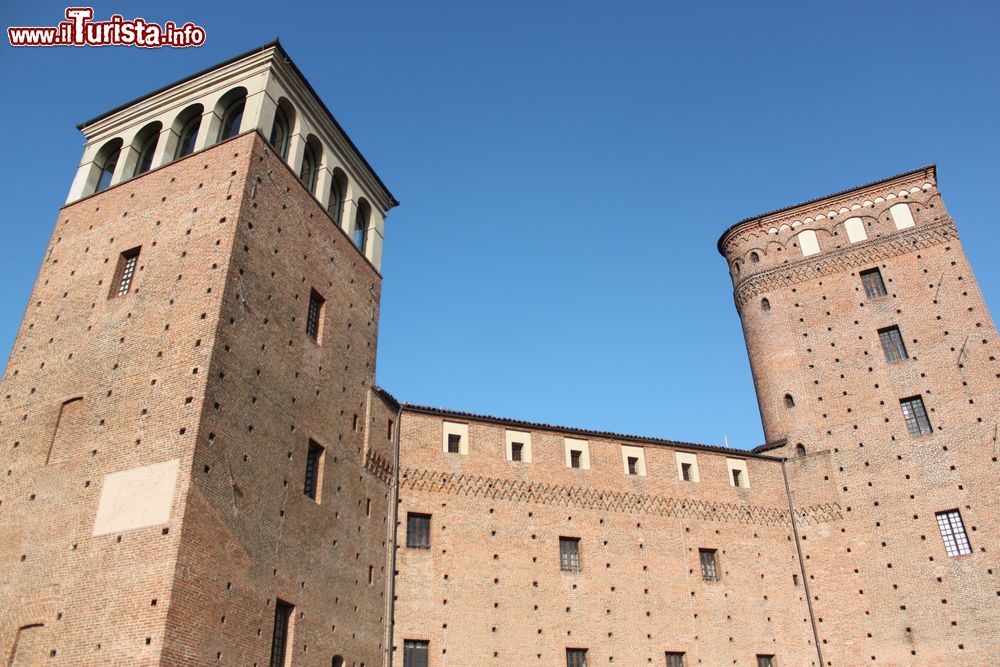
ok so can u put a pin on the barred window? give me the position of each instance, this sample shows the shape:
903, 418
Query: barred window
915, 415
686, 472
675, 659
314, 459
314, 318
418, 531
766, 661
454, 443
709, 565
574, 458
279, 636
892, 344
633, 465
517, 451
737, 477
569, 554
872, 280
576, 657
956, 540
125, 272
415, 653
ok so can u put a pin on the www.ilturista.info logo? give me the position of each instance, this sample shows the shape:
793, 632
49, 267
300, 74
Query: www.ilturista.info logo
81, 30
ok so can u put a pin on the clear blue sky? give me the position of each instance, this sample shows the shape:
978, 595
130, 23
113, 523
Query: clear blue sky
565, 169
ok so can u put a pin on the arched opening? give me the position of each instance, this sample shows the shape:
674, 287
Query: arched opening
145, 145
338, 661
765, 305
736, 267
281, 129
230, 108
104, 165
186, 127
754, 257
800, 450
789, 401
338, 193
310, 163
360, 232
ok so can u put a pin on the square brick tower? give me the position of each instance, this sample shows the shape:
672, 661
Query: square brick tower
875, 365
189, 476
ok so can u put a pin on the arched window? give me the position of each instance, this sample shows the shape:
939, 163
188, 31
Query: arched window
338, 191
310, 167
765, 305
281, 132
145, 144
754, 257
232, 104
188, 133
789, 401
105, 163
800, 450
338, 661
360, 231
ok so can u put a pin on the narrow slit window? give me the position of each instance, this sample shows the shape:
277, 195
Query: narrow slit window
675, 659
765, 305
915, 415
892, 344
789, 401
709, 564
314, 318
569, 554
314, 469
576, 657
415, 653
279, 637
125, 272
956, 540
418, 531
874, 285
517, 451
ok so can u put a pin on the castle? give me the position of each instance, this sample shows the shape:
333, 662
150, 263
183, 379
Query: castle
198, 468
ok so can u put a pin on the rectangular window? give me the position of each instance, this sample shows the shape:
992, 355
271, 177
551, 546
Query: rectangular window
388, 430
569, 554
279, 637
415, 653
314, 319
574, 458
765, 661
686, 472
454, 443
576, 657
956, 540
737, 481
633, 465
516, 451
418, 531
915, 415
709, 565
872, 280
125, 272
314, 468
892, 344
675, 659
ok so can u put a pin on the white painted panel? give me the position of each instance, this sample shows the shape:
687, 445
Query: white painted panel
808, 243
136, 498
741, 465
581, 446
636, 452
855, 228
459, 429
525, 439
692, 460
902, 216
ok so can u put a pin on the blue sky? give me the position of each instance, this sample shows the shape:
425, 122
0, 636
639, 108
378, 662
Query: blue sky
565, 169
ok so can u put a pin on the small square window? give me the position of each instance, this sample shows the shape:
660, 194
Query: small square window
576, 657
956, 540
872, 280
454, 443
709, 564
892, 344
915, 415
314, 318
675, 659
686, 472
569, 554
575, 458
418, 531
516, 451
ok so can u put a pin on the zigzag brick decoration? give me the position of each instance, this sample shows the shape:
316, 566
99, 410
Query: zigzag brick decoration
615, 501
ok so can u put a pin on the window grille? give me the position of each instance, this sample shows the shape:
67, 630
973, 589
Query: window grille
574, 458
517, 451
418, 531
892, 344
415, 653
126, 271
315, 315
454, 443
279, 637
569, 554
956, 540
915, 415
872, 280
709, 566
686, 472
313, 459
576, 657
